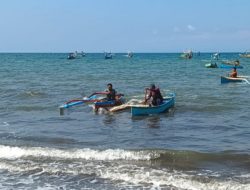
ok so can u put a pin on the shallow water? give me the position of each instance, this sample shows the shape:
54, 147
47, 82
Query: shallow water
201, 143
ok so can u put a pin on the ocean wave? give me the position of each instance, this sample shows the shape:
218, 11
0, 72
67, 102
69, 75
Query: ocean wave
28, 108
156, 156
109, 165
4, 124
124, 174
186, 160
32, 93
8, 152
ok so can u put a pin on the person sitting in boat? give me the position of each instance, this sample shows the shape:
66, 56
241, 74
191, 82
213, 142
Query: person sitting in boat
111, 95
154, 96
233, 74
112, 99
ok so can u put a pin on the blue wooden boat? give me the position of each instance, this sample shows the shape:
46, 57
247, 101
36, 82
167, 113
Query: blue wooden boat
225, 66
107, 104
142, 110
231, 79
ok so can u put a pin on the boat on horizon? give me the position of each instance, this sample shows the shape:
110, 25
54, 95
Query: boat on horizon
215, 56
187, 54
72, 55
129, 54
245, 55
108, 55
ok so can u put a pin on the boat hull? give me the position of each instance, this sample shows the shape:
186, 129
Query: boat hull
231, 79
108, 104
142, 110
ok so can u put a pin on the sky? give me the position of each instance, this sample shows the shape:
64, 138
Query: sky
124, 25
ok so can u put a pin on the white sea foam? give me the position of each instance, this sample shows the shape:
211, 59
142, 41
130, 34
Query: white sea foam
4, 124
127, 174
159, 178
9, 152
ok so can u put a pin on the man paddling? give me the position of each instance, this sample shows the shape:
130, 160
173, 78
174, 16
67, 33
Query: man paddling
112, 99
111, 93
154, 96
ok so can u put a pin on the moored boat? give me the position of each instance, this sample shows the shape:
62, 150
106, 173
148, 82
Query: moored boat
108, 55
245, 55
227, 66
147, 110
211, 65
225, 79
129, 55
187, 55
215, 56
72, 55
234, 63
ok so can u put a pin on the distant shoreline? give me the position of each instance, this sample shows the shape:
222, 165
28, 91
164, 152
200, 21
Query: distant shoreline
116, 52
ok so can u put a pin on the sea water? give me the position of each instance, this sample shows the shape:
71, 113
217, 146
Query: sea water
200, 143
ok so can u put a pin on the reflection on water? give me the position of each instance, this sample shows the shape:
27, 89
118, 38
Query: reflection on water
153, 121
109, 120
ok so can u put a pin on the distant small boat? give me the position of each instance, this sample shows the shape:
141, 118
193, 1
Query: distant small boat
108, 55
129, 55
187, 55
226, 66
82, 54
245, 55
231, 79
72, 55
216, 56
211, 65
169, 102
235, 63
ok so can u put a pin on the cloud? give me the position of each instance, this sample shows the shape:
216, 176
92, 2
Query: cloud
191, 28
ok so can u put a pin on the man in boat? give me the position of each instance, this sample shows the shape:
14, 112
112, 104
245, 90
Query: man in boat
111, 93
112, 99
233, 74
154, 96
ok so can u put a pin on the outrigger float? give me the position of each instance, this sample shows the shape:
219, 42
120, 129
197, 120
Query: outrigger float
97, 101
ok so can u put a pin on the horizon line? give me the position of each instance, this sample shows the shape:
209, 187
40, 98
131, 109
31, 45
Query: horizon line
132, 52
